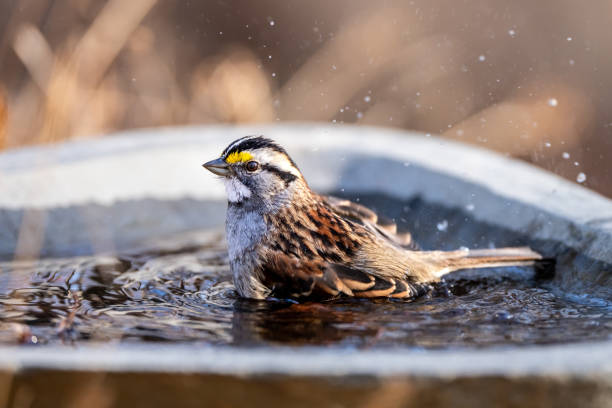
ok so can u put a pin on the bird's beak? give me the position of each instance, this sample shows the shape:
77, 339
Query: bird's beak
218, 167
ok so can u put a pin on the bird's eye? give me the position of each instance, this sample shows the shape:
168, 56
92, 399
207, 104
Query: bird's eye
252, 166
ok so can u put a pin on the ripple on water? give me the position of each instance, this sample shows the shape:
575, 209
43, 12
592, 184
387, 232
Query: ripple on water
183, 293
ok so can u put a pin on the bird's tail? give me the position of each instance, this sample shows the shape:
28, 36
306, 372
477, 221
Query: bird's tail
450, 261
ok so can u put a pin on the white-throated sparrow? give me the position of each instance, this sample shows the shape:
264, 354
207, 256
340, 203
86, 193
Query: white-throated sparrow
286, 240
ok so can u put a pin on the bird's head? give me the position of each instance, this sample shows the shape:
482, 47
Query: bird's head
256, 168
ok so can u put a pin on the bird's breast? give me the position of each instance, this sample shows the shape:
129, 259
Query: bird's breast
244, 230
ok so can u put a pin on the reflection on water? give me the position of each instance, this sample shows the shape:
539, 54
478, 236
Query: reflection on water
184, 293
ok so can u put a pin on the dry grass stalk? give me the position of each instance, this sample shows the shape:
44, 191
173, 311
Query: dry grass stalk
3, 119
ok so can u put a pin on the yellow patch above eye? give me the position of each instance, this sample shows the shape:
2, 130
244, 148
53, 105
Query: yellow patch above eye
238, 157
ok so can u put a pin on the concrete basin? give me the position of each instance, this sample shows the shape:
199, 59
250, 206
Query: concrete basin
116, 193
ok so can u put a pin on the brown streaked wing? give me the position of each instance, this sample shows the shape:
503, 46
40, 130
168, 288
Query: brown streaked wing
364, 216
402, 290
382, 288
354, 278
290, 276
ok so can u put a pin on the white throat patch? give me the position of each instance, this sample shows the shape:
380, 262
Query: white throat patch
236, 191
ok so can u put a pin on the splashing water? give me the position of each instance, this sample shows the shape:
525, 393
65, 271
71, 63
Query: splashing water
183, 293
442, 225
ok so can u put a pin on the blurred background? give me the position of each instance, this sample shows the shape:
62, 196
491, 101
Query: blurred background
530, 79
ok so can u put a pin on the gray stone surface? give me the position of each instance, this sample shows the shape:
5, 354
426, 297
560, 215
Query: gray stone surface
115, 193
567, 376
562, 360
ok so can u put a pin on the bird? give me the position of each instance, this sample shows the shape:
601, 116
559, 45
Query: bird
287, 241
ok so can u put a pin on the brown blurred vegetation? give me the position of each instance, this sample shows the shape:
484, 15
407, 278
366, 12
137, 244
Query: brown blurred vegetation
528, 78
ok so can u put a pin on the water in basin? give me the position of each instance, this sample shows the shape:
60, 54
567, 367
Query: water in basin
180, 290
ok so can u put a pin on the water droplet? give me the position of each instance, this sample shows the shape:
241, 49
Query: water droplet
576, 164
442, 225
572, 62
511, 33
274, 74
359, 115
367, 98
581, 178
569, 38
269, 57
547, 144
272, 23
481, 58
565, 155
553, 102
470, 207
459, 132
334, 67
